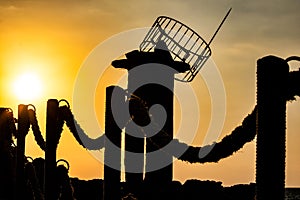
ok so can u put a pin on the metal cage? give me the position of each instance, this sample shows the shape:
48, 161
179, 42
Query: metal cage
183, 43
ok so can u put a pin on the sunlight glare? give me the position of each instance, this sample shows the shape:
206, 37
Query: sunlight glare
27, 87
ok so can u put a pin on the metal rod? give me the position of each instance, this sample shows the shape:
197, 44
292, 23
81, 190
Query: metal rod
219, 27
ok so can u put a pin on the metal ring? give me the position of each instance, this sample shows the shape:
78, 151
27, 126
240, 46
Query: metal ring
29, 158
63, 100
63, 160
32, 106
9, 110
293, 58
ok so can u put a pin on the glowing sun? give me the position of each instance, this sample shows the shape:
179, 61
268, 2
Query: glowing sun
27, 87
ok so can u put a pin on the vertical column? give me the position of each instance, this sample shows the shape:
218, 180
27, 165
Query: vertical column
50, 153
157, 181
23, 127
150, 82
272, 77
134, 145
7, 167
134, 163
112, 152
163, 96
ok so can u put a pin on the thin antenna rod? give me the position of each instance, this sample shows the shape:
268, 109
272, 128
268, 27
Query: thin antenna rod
219, 27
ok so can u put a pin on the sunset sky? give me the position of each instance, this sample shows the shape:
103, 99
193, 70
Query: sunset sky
47, 42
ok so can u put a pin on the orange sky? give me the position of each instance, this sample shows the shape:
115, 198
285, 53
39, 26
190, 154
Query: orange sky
52, 39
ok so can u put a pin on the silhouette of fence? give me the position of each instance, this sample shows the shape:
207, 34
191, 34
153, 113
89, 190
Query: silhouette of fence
275, 86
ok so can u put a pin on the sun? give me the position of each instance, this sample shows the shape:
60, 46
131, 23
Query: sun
27, 87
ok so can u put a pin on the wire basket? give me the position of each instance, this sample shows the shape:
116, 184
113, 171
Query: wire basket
183, 43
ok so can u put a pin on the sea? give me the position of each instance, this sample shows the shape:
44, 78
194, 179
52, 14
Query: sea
292, 194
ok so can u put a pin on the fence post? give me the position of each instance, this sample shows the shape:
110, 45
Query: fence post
112, 152
50, 153
23, 127
272, 78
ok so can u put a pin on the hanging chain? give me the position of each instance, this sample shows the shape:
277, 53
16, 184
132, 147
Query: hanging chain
36, 129
33, 182
218, 150
228, 145
81, 137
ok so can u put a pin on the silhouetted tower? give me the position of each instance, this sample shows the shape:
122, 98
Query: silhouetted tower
170, 51
152, 84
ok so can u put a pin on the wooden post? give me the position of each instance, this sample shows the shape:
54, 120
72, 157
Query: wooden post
112, 154
23, 127
272, 78
50, 153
